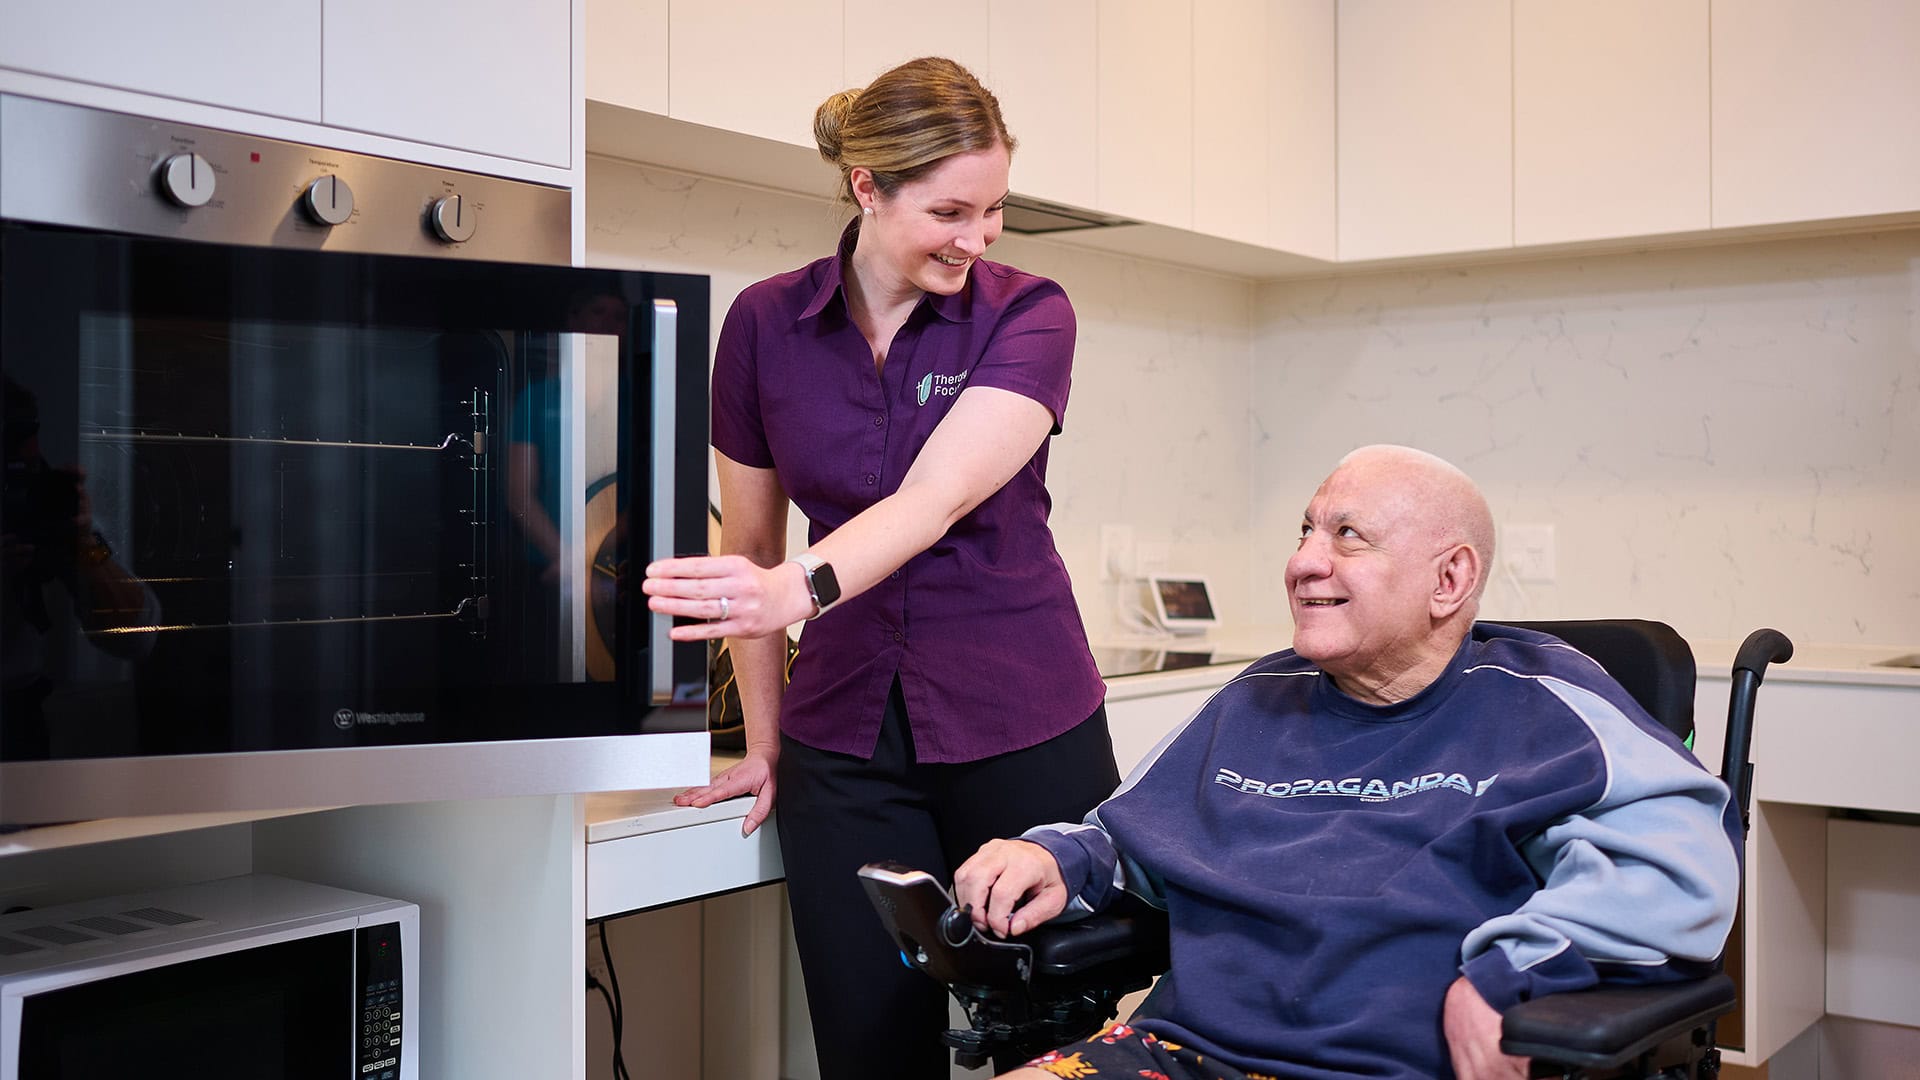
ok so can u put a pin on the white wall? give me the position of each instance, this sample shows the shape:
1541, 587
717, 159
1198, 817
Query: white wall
1722, 437
1155, 434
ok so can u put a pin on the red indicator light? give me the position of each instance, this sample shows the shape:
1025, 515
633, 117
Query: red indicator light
255, 157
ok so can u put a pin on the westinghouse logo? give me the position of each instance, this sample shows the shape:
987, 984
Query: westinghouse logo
347, 718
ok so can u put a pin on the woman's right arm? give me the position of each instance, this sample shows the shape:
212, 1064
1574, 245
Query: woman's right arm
753, 525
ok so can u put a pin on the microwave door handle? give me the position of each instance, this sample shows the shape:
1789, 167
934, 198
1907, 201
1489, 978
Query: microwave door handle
666, 319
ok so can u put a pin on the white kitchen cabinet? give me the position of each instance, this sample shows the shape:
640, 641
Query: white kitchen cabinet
1139, 716
1873, 901
1610, 109
883, 33
1301, 173
1042, 65
626, 51
1145, 110
1426, 128
491, 76
261, 56
1231, 70
760, 69
1815, 109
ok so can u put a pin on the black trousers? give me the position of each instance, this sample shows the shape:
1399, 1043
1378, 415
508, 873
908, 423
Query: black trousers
872, 1015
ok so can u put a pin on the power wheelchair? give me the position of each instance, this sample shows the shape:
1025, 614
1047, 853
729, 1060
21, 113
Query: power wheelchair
1058, 983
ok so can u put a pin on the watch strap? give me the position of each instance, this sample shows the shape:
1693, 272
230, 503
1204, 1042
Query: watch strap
808, 563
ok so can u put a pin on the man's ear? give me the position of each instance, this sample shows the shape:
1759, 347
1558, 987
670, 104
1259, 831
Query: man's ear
1459, 576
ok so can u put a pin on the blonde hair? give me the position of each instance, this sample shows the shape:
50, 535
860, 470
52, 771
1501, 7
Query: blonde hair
906, 121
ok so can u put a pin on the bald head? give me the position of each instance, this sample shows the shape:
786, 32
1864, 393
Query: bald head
1436, 496
1387, 579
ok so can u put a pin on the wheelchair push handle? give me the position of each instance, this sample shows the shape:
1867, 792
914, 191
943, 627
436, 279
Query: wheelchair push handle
1762, 647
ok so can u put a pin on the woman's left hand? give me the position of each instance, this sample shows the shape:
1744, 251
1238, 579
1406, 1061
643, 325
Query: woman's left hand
735, 597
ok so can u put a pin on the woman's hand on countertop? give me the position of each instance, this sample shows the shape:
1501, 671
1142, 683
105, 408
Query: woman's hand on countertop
734, 596
752, 775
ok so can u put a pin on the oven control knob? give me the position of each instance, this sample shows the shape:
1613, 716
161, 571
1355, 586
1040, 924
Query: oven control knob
329, 200
187, 179
454, 219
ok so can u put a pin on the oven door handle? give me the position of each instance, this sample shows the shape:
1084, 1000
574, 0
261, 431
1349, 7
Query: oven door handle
666, 323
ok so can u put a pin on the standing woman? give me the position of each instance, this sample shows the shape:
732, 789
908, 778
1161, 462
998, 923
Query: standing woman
901, 392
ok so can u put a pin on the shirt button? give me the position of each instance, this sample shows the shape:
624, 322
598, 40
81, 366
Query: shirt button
895, 576
879, 420
898, 636
870, 479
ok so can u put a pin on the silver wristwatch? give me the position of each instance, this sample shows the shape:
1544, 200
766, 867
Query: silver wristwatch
822, 585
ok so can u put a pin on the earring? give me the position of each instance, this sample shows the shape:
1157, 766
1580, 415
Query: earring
867, 210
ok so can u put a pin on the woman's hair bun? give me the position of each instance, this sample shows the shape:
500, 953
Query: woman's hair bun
827, 120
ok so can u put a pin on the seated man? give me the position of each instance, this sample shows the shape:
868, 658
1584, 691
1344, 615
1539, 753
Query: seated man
1369, 844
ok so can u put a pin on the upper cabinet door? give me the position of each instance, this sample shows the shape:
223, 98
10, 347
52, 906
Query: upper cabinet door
1231, 69
1042, 66
883, 33
491, 76
1609, 119
1426, 127
1301, 174
1816, 109
760, 68
259, 56
627, 54
1145, 110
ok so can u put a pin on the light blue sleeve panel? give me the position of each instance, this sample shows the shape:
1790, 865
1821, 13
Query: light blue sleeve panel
1645, 879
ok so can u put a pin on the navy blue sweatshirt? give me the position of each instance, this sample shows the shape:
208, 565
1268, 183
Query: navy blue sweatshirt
1329, 867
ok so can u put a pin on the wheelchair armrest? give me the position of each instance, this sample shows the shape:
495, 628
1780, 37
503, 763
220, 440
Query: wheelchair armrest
1605, 1026
1134, 939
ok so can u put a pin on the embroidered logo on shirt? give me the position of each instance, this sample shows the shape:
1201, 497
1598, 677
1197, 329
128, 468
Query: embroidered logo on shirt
943, 385
1366, 790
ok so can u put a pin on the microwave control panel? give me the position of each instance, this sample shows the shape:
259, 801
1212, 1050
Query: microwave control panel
378, 1012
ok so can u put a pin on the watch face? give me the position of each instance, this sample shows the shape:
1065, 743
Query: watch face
826, 587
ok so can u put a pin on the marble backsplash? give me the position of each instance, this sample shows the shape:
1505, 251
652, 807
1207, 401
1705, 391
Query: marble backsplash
1721, 437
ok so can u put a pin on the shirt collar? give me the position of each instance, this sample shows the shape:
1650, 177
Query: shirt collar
953, 309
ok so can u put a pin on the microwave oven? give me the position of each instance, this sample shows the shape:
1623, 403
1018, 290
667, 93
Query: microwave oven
257, 976
328, 482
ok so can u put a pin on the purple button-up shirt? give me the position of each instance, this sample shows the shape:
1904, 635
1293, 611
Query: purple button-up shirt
981, 628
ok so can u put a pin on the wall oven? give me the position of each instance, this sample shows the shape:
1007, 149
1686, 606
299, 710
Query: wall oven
327, 481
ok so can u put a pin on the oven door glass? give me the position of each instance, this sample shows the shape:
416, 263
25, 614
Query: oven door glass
273, 500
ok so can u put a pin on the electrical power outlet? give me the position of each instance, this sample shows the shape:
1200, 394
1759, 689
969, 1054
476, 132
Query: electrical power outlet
596, 960
1529, 553
1116, 552
1151, 557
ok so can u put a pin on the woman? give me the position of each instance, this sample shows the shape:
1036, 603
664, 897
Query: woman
901, 392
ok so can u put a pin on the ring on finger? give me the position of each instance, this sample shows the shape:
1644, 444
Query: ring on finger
726, 608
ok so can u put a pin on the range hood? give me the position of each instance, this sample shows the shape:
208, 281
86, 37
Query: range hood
1024, 214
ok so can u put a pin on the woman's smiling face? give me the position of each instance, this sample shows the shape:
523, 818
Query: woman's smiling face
927, 234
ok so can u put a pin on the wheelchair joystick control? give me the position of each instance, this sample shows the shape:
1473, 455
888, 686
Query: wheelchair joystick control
956, 925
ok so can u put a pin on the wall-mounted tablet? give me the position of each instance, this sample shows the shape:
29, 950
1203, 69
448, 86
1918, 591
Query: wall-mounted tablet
1182, 603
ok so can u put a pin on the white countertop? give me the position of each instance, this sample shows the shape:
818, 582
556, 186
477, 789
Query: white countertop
612, 815
1815, 662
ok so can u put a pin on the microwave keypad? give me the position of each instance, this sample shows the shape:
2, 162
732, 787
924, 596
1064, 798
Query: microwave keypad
380, 1016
